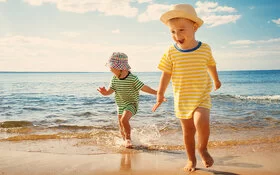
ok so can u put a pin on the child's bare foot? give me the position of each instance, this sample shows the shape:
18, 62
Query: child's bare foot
190, 167
207, 160
127, 143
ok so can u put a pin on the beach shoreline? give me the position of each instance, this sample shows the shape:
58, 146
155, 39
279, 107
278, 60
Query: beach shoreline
241, 159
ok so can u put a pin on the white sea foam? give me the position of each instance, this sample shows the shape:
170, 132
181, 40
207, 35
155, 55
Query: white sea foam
266, 97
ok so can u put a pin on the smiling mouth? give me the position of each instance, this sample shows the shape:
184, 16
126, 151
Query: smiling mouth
180, 41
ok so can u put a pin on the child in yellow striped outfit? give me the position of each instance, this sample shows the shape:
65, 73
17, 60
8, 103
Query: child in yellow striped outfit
187, 63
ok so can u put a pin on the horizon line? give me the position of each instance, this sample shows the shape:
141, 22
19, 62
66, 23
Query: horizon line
133, 71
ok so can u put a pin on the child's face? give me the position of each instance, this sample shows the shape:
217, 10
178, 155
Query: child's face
115, 71
182, 31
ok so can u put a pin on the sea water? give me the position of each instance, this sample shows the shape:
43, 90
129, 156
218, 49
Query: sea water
63, 105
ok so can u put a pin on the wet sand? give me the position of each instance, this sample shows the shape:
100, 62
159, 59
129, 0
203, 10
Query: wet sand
235, 160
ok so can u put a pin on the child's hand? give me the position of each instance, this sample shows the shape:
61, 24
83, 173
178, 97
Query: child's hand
218, 84
160, 99
102, 90
105, 91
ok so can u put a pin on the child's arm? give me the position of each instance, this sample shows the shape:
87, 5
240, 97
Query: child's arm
164, 82
149, 90
104, 91
213, 73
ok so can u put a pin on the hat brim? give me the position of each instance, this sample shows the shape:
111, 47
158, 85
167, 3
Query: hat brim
180, 14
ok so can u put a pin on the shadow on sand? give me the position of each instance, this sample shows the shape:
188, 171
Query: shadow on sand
227, 161
200, 171
223, 161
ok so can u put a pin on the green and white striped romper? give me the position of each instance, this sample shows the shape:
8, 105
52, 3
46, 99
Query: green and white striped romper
126, 93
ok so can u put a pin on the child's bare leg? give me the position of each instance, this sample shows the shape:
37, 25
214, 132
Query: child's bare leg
126, 127
201, 121
188, 129
121, 127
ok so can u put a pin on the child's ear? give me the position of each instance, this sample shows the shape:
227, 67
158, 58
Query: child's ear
195, 27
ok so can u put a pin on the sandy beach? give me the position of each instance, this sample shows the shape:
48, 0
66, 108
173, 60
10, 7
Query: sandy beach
64, 157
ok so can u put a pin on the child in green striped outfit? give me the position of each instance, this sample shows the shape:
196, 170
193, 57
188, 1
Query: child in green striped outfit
126, 87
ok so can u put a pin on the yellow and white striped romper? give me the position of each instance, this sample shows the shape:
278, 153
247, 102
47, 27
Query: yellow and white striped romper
190, 79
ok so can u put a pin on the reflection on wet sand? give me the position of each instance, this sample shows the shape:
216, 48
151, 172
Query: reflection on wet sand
125, 162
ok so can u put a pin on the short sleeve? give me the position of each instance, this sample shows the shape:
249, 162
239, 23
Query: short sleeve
138, 84
211, 61
165, 63
112, 84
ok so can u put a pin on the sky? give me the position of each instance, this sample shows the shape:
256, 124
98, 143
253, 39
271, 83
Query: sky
80, 35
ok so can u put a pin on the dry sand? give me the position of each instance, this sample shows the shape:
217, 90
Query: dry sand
247, 160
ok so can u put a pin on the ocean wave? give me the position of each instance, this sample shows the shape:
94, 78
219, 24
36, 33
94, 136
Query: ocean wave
48, 136
85, 128
110, 139
147, 98
264, 98
72, 127
85, 114
260, 98
34, 108
14, 124
97, 100
261, 140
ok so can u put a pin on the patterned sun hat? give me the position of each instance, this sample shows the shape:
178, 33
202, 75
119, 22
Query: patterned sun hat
119, 61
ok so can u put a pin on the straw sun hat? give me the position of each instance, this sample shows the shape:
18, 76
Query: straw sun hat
119, 61
181, 11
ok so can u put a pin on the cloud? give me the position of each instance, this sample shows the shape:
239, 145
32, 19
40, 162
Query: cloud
250, 54
248, 42
248, 60
117, 31
212, 14
144, 1
276, 21
211, 7
215, 15
245, 52
39, 43
216, 20
106, 7
153, 12
3, 0
241, 42
71, 34
39, 2
25, 53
